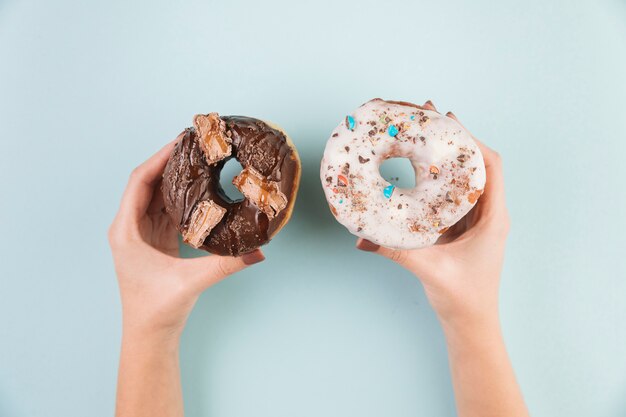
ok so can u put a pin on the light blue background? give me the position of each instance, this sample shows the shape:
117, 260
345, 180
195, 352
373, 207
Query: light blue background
90, 89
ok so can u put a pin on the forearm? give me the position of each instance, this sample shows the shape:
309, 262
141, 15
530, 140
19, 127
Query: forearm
149, 377
482, 375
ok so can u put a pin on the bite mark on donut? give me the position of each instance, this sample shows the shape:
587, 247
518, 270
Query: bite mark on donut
212, 137
204, 218
263, 193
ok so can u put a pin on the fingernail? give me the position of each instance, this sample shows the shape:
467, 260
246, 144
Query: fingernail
253, 257
366, 245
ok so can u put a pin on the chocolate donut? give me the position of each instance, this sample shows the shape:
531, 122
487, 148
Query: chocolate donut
202, 212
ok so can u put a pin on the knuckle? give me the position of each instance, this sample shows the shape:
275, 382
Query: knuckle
500, 225
224, 267
119, 235
506, 224
113, 235
398, 256
137, 173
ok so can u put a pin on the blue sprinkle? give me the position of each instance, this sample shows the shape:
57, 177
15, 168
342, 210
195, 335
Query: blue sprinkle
387, 191
412, 117
341, 201
350, 123
393, 130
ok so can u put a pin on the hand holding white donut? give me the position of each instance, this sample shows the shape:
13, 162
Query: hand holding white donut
461, 277
461, 273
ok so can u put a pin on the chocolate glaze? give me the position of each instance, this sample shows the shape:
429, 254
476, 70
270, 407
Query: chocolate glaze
188, 179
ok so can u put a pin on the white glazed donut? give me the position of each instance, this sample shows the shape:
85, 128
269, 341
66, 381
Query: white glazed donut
449, 171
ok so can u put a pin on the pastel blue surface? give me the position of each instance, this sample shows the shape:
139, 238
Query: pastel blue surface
90, 89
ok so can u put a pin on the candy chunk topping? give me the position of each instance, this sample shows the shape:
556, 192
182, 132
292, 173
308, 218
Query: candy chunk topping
263, 193
212, 137
204, 218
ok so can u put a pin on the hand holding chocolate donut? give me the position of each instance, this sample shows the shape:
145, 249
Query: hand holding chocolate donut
157, 286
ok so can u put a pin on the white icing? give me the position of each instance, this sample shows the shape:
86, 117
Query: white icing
410, 218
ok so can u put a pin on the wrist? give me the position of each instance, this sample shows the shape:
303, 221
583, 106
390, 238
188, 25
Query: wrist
163, 339
459, 310
468, 328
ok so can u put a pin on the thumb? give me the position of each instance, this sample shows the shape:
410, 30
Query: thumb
209, 270
415, 261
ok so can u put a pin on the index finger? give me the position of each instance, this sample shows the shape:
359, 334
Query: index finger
141, 183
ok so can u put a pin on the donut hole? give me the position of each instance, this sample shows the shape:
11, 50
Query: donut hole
231, 169
399, 172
